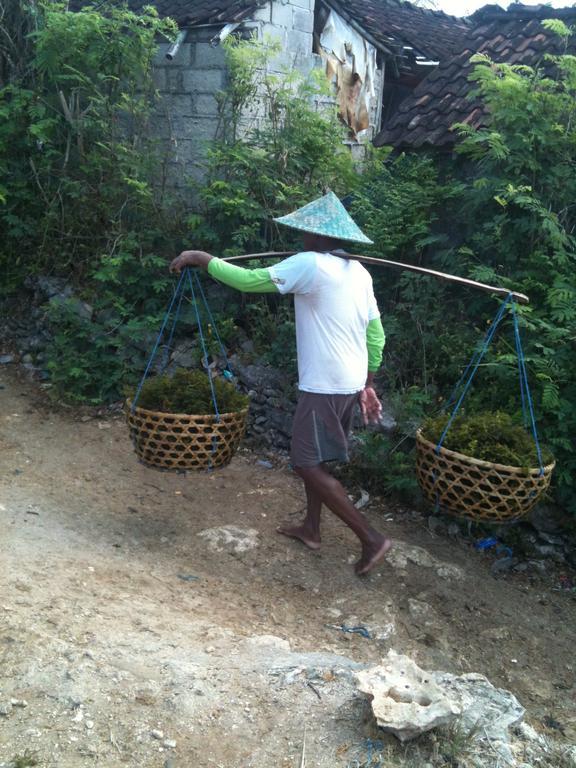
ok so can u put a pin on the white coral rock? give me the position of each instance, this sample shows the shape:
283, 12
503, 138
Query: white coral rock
405, 699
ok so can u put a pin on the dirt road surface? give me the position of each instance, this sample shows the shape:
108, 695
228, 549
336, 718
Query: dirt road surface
128, 639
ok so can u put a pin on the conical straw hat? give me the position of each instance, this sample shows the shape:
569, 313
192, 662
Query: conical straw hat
325, 216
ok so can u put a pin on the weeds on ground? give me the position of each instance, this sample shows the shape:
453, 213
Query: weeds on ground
555, 756
454, 746
27, 760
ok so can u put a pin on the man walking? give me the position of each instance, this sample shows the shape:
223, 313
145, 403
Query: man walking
339, 338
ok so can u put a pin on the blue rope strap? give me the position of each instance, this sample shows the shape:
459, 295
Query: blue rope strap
474, 365
214, 326
525, 388
203, 342
368, 755
177, 290
168, 345
471, 370
177, 298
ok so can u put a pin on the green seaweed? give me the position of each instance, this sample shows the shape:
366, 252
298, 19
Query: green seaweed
489, 436
189, 392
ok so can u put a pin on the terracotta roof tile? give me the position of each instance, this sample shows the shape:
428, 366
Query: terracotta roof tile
190, 12
396, 24
515, 36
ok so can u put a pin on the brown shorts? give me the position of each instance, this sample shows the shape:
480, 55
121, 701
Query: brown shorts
321, 427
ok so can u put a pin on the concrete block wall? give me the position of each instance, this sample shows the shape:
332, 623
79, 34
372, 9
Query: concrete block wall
187, 115
187, 120
292, 23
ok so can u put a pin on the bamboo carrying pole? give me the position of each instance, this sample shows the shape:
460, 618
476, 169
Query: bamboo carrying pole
520, 298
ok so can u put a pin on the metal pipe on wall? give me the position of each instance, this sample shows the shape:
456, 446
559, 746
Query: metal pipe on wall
175, 47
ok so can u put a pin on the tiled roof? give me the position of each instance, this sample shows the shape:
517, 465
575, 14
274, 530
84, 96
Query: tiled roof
396, 24
515, 36
393, 23
190, 12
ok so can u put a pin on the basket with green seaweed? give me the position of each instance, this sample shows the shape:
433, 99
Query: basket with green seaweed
487, 469
175, 424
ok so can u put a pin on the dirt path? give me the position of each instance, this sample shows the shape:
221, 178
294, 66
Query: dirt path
133, 643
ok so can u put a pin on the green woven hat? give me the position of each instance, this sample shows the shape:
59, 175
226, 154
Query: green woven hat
325, 216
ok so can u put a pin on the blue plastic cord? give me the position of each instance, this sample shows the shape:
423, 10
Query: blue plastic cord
204, 349
518, 345
479, 357
456, 389
525, 387
211, 319
369, 754
174, 324
177, 290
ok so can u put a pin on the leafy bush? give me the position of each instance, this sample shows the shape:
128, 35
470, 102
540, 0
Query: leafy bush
93, 354
83, 193
382, 466
262, 168
384, 463
506, 216
83, 362
189, 392
76, 149
399, 204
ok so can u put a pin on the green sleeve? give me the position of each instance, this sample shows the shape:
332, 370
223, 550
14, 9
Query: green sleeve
245, 280
375, 339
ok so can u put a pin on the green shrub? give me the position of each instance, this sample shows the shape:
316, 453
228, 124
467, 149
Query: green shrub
502, 213
381, 466
259, 170
76, 151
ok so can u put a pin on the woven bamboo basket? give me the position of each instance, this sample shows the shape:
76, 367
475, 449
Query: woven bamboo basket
184, 441
475, 489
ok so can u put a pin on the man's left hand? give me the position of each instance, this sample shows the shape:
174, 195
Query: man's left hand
370, 406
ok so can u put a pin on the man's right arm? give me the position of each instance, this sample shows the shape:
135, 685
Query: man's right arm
245, 280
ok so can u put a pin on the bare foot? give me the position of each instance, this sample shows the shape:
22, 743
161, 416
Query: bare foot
372, 556
302, 534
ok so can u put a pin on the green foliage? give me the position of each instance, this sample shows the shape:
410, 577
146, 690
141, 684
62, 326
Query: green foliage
382, 466
189, 392
276, 151
92, 353
490, 436
82, 363
522, 206
454, 744
75, 149
409, 190
80, 193
273, 330
26, 760
400, 205
506, 214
